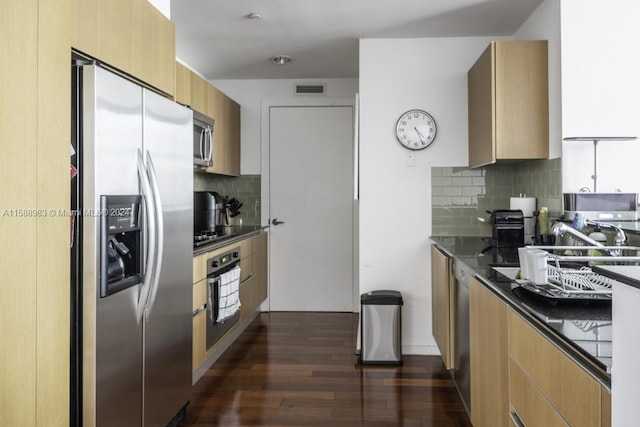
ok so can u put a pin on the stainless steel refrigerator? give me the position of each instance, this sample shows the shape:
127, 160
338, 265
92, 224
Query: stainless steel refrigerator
131, 254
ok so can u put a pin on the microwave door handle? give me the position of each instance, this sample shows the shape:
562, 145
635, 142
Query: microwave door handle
210, 140
150, 220
202, 147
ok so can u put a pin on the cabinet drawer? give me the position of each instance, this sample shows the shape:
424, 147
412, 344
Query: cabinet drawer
570, 389
199, 268
530, 405
199, 342
246, 268
199, 295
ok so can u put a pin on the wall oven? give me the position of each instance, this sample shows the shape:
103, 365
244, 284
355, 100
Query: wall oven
202, 140
223, 294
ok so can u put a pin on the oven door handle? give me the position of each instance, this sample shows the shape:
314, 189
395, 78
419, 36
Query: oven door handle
212, 293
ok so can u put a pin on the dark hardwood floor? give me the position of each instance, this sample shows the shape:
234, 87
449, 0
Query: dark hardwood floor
299, 369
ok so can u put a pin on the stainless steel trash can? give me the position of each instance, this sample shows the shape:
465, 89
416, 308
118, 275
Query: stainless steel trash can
381, 328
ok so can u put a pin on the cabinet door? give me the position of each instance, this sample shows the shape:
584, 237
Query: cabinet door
84, 36
528, 404
481, 105
199, 94
442, 301
606, 407
508, 103
232, 137
261, 263
153, 47
183, 85
199, 343
199, 295
575, 394
215, 110
521, 100
199, 267
115, 33
488, 334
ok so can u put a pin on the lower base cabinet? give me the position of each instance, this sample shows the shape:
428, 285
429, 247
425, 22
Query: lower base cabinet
253, 291
199, 339
488, 345
520, 378
546, 387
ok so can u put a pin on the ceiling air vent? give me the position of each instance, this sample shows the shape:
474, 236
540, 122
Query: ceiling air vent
310, 89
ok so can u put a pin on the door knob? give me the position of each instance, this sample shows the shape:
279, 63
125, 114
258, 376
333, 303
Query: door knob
276, 222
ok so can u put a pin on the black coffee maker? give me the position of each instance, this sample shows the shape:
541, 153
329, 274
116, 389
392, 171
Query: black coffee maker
507, 228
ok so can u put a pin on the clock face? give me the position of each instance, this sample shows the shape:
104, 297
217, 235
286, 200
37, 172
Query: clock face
416, 129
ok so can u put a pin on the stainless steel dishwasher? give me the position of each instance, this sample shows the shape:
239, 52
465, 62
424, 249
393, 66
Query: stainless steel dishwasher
461, 372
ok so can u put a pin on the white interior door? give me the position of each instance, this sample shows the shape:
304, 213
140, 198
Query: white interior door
311, 192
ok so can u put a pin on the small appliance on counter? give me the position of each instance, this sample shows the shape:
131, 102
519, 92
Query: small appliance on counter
508, 228
601, 206
507, 235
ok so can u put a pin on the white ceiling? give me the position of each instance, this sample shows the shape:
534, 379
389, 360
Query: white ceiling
216, 38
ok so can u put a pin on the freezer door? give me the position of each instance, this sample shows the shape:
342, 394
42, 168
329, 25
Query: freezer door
167, 343
111, 335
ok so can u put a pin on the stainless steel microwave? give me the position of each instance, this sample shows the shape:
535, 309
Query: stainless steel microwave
202, 140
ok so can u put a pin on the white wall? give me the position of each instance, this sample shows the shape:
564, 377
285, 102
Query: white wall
253, 94
544, 24
395, 200
600, 67
600, 92
164, 6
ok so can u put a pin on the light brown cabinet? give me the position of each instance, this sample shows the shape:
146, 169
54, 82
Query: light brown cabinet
195, 92
253, 290
183, 84
488, 344
35, 307
199, 331
508, 102
226, 133
545, 386
130, 35
442, 301
198, 90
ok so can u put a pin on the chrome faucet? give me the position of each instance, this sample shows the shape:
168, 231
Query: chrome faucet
620, 238
559, 229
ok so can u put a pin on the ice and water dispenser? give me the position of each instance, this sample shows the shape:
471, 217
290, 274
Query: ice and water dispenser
121, 243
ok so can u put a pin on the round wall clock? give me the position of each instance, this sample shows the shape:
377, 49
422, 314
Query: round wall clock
416, 129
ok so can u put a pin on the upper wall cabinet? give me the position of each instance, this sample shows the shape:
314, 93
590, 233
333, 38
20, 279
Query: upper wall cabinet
508, 89
183, 84
197, 93
130, 35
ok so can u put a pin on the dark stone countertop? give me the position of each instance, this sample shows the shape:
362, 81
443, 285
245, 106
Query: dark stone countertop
582, 330
241, 232
627, 274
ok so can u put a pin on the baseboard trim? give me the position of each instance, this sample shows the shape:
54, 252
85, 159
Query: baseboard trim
428, 350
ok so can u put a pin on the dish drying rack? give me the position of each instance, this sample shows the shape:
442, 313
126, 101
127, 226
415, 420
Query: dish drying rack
578, 283
581, 281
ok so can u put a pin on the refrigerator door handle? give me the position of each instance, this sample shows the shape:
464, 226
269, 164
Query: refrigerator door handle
153, 179
150, 259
